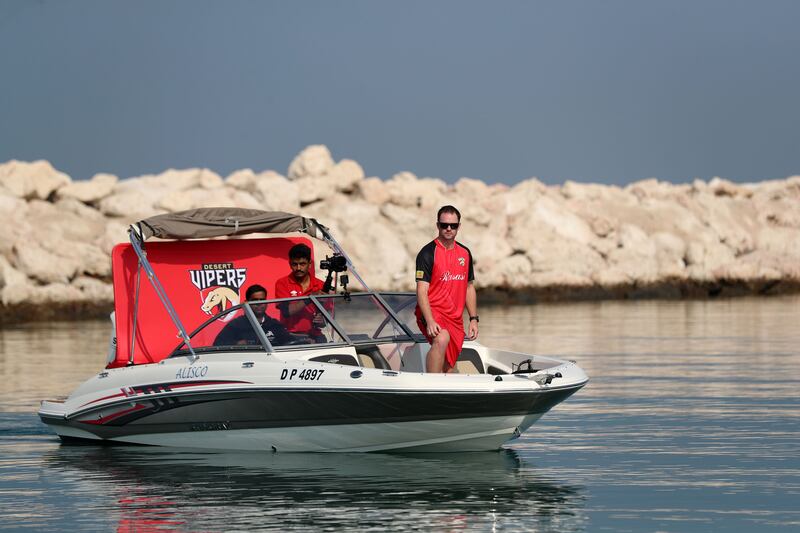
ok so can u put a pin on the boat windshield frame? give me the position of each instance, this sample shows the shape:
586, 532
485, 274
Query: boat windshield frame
391, 319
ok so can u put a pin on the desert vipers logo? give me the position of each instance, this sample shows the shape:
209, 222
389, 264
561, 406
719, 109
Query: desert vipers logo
219, 285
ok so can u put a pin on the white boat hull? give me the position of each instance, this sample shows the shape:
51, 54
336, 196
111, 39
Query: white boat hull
227, 404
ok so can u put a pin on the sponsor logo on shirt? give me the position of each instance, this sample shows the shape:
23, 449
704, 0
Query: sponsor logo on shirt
447, 276
293, 293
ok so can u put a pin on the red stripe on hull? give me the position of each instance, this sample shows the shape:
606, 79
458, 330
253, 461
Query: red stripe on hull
101, 421
139, 389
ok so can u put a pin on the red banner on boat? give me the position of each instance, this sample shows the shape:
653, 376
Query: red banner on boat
201, 279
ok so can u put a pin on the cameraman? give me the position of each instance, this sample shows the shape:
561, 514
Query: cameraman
299, 316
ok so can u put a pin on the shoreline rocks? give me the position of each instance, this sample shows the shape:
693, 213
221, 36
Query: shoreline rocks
531, 242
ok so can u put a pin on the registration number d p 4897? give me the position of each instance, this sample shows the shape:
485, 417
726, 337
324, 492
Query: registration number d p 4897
307, 374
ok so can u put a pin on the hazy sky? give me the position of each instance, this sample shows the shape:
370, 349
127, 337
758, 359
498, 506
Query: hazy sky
604, 91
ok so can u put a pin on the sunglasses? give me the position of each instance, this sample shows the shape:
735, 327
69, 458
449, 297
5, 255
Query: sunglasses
445, 225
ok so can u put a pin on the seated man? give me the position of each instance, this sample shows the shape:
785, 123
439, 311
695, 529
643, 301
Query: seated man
300, 317
240, 331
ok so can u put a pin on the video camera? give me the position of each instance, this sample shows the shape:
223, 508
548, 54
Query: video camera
337, 263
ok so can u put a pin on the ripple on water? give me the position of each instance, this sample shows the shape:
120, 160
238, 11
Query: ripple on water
689, 423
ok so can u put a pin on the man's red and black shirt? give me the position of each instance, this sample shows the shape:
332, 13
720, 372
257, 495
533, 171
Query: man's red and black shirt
448, 272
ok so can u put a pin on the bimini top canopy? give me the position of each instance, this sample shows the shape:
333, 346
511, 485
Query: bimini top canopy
192, 266
210, 222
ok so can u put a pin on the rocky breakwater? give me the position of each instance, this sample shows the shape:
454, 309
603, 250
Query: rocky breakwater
530, 241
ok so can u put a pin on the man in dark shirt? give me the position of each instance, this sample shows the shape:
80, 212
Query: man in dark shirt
240, 331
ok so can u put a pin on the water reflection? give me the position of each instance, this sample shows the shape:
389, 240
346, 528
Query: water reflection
690, 423
155, 488
49, 359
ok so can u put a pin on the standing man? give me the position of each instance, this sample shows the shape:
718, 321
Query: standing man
444, 286
298, 316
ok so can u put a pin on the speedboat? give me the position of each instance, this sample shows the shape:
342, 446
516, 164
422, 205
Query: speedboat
357, 385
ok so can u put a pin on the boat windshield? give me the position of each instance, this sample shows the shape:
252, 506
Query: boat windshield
402, 305
304, 322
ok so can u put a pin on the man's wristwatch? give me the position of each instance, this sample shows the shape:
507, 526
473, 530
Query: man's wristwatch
475, 318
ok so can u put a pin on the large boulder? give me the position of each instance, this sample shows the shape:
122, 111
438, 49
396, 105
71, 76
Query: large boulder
312, 189
276, 193
245, 200
472, 194
723, 187
703, 258
94, 290
37, 180
510, 273
670, 251
15, 288
194, 198
318, 177
9, 275
563, 221
14, 225
523, 195
314, 160
47, 221
133, 204
488, 244
414, 226
346, 175
56, 293
114, 233
43, 265
729, 221
173, 179
406, 190
89, 191
782, 241
82, 210
244, 179
373, 190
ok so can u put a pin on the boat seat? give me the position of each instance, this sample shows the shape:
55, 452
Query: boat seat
470, 361
413, 359
466, 367
371, 357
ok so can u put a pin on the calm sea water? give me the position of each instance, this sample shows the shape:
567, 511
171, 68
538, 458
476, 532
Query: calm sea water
691, 422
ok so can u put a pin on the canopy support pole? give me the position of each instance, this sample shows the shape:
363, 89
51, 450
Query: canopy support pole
135, 312
160, 292
330, 319
256, 325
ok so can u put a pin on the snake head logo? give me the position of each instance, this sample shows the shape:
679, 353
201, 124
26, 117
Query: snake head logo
219, 299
